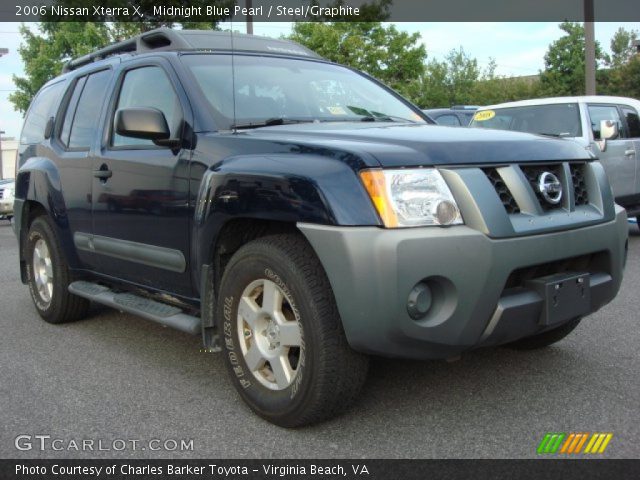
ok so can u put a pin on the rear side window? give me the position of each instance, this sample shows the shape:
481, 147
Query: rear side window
633, 121
81, 118
597, 113
71, 110
39, 113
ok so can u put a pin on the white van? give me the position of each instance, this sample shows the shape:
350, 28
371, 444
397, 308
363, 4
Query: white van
607, 126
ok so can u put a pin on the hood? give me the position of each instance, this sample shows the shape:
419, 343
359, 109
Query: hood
407, 145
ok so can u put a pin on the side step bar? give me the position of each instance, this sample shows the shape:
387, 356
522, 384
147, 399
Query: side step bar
128, 302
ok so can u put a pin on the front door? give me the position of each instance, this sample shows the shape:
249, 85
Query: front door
140, 190
632, 118
620, 168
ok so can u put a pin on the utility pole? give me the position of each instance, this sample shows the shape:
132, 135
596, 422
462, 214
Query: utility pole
249, 5
589, 49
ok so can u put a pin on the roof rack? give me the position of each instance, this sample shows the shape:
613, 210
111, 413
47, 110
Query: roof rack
167, 39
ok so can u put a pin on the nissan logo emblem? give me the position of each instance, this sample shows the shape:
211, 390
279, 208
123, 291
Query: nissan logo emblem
550, 187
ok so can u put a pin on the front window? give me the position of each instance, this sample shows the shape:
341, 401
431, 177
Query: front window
262, 89
557, 120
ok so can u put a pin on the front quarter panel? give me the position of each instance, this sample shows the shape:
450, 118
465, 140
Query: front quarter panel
285, 188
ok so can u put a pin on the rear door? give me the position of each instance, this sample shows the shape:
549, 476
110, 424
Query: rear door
140, 211
74, 133
618, 159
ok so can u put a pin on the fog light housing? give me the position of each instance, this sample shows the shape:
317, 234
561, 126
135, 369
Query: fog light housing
419, 301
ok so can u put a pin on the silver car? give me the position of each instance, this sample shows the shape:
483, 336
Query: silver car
7, 191
607, 126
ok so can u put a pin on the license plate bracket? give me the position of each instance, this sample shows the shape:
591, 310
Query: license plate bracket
565, 296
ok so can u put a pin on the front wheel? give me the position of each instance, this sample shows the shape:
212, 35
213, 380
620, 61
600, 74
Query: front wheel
284, 345
48, 276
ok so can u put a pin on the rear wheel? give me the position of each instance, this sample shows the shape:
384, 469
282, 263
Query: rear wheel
285, 348
547, 338
48, 276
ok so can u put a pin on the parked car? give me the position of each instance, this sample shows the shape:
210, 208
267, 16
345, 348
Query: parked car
609, 127
7, 189
456, 116
317, 218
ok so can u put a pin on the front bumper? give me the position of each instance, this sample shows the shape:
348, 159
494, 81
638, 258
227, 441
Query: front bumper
478, 296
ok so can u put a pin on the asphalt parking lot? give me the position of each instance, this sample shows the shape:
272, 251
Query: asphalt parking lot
115, 376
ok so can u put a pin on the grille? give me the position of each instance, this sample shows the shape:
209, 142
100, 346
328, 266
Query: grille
502, 190
533, 172
1, 194
579, 185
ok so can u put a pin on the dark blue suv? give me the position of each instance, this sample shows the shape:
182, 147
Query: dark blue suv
300, 216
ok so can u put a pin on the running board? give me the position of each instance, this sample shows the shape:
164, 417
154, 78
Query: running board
162, 313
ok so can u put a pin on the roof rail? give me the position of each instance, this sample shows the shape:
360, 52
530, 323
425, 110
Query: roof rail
167, 39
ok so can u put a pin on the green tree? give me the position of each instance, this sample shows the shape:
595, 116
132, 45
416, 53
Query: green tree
387, 54
48, 46
44, 53
625, 79
564, 62
622, 48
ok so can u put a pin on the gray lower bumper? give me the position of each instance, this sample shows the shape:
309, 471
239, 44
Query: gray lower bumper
373, 270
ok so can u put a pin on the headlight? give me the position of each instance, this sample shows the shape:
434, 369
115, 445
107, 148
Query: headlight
411, 198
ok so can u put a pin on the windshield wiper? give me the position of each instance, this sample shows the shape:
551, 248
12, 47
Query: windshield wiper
371, 116
270, 122
556, 135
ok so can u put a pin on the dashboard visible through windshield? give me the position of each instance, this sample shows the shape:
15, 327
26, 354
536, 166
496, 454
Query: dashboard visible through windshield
251, 91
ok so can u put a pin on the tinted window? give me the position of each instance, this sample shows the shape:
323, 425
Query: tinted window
85, 119
41, 109
267, 87
597, 113
633, 121
148, 87
562, 120
71, 109
448, 119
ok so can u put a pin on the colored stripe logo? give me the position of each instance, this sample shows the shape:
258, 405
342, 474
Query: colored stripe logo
573, 443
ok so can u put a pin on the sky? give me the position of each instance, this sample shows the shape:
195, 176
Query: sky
518, 48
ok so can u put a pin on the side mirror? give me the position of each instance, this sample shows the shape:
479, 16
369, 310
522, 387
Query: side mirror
608, 130
142, 122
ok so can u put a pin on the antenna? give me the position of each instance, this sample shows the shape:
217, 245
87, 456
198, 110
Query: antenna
233, 78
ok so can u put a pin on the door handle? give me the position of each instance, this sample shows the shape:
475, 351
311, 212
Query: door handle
103, 173
629, 153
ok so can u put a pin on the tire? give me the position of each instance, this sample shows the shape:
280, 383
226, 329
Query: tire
547, 338
316, 375
43, 254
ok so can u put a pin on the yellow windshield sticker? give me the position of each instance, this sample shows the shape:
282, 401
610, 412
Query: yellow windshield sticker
484, 115
337, 110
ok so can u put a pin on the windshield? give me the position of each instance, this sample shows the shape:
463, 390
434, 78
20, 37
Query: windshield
273, 91
559, 120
